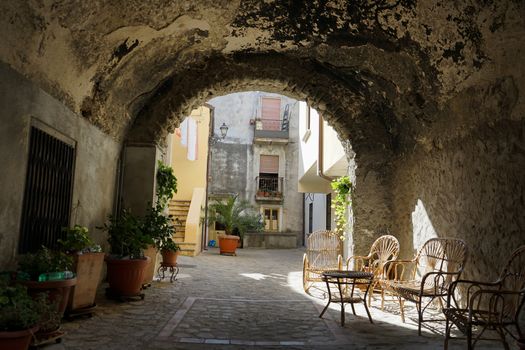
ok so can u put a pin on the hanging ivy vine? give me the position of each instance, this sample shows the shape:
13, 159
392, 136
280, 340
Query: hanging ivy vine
342, 187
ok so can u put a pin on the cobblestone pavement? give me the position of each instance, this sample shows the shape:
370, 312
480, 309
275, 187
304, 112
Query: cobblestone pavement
252, 301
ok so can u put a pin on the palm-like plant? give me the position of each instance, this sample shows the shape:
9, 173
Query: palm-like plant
237, 216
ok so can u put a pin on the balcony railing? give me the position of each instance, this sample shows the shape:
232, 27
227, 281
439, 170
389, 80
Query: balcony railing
269, 188
270, 129
269, 124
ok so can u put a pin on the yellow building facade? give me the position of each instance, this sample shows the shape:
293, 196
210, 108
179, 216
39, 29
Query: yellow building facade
188, 154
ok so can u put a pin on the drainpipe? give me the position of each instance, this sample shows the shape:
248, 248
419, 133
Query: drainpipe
204, 239
320, 150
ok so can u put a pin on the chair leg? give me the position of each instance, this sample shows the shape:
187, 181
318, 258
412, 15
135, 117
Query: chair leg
402, 309
469, 338
382, 299
420, 316
370, 292
503, 340
447, 334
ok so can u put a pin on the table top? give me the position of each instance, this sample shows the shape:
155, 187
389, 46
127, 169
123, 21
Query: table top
348, 274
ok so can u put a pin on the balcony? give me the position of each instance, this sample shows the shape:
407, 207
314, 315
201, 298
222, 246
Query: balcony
270, 131
269, 189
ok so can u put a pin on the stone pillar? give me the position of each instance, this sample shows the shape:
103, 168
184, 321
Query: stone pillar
372, 213
138, 179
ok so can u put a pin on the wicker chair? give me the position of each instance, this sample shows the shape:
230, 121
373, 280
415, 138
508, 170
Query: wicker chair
323, 253
384, 249
428, 276
488, 305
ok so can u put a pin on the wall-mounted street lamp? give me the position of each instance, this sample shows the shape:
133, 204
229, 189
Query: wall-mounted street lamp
224, 130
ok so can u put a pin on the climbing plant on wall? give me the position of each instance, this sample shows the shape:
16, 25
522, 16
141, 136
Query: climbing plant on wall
342, 187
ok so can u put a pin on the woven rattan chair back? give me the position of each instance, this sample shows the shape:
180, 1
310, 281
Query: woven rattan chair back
385, 248
513, 278
442, 255
323, 249
513, 274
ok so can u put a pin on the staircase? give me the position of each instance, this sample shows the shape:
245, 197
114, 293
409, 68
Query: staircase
179, 211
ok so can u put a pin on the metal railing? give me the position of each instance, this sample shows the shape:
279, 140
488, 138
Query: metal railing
268, 186
268, 124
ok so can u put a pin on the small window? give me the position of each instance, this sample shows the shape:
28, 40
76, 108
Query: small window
48, 191
269, 164
271, 113
271, 219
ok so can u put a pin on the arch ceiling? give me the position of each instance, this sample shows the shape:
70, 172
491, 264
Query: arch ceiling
380, 70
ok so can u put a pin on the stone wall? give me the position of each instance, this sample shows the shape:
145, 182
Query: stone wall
95, 163
469, 181
228, 167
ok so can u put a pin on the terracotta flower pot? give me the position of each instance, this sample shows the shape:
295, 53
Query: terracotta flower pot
169, 257
88, 268
125, 276
228, 244
57, 290
17, 340
149, 272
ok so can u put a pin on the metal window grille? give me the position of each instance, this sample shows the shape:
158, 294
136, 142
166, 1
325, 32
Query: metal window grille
48, 191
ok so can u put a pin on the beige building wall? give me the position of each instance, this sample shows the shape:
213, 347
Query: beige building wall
191, 173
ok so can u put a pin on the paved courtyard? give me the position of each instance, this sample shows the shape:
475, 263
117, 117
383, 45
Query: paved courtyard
252, 301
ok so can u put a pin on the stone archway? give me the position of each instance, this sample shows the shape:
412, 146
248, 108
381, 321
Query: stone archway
339, 101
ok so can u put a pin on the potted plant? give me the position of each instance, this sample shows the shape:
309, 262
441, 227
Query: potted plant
169, 250
88, 261
157, 223
19, 316
48, 271
48, 278
126, 262
237, 216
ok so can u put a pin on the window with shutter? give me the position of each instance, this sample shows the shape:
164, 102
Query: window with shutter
271, 113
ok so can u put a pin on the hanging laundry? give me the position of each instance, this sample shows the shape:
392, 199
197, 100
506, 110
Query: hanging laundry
184, 132
192, 135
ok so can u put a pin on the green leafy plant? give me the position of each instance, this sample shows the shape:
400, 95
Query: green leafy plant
341, 201
160, 228
126, 235
166, 184
44, 261
237, 216
157, 224
78, 241
19, 310
169, 246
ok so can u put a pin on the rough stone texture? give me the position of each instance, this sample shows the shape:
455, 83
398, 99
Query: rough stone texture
416, 87
472, 188
95, 162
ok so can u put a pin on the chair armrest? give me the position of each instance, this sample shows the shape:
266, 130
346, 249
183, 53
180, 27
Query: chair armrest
471, 286
497, 304
439, 280
305, 260
359, 262
397, 268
